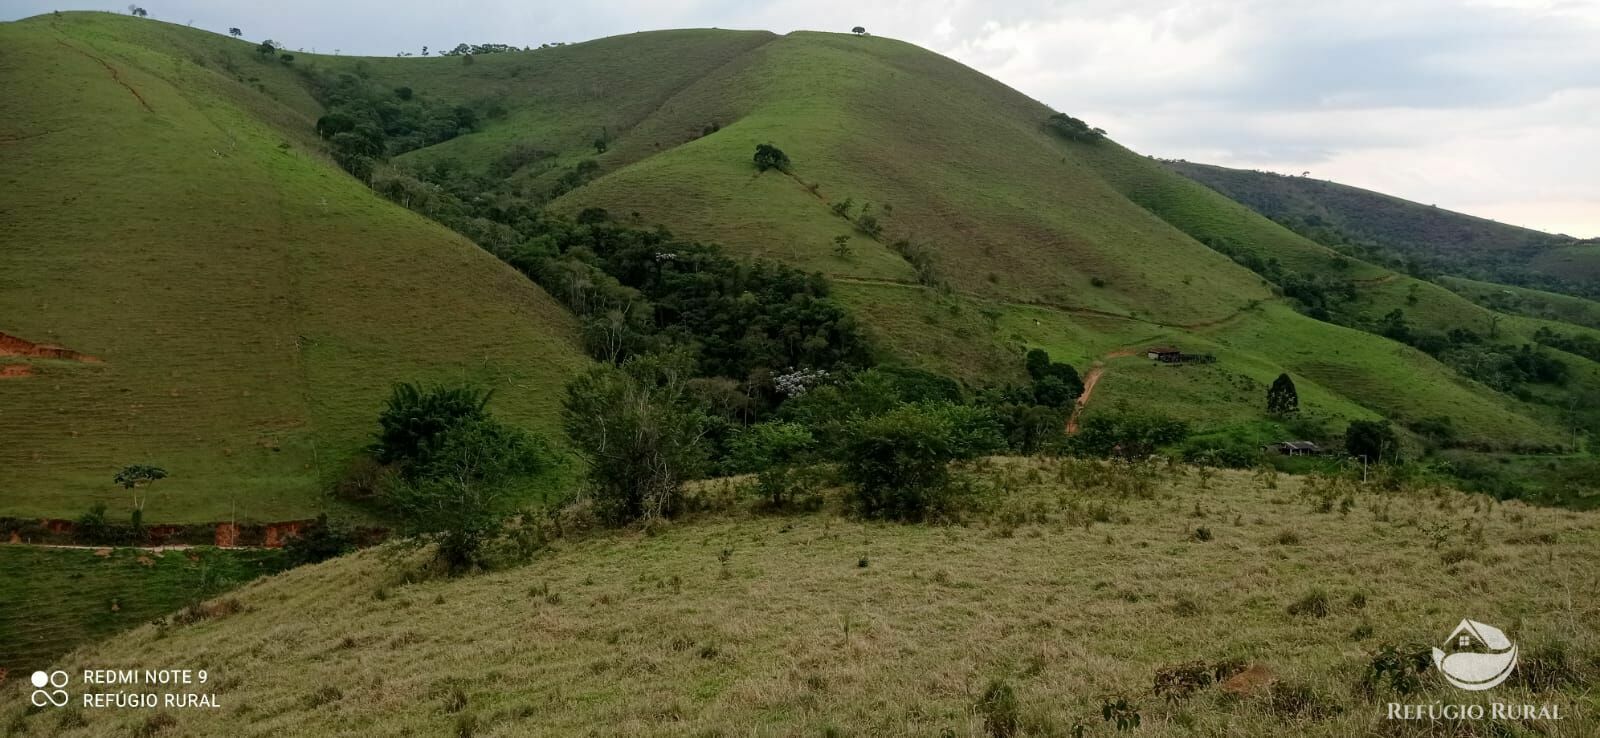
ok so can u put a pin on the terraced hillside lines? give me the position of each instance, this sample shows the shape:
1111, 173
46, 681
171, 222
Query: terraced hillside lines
55, 599
251, 302
791, 635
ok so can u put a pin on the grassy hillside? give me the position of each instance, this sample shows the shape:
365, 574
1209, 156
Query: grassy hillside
1528, 302
817, 624
246, 303
1088, 250
55, 599
1013, 216
1454, 243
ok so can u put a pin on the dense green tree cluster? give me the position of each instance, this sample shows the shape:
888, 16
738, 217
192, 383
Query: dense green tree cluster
1580, 344
771, 157
457, 468
1126, 435
1282, 397
642, 290
1505, 367
1373, 440
1055, 384
365, 123
1073, 129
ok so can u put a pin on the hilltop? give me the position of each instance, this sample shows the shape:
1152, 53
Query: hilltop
988, 233
735, 624
245, 336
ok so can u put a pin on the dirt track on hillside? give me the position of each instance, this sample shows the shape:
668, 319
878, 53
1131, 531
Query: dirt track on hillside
1090, 379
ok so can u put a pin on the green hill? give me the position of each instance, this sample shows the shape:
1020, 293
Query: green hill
247, 334
1432, 238
246, 303
822, 625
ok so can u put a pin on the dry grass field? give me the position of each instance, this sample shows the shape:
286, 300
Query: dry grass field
1075, 584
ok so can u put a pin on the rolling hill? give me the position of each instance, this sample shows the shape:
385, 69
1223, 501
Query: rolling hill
233, 306
1081, 239
189, 278
245, 303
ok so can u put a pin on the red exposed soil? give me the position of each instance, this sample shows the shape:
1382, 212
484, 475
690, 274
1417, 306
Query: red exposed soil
278, 533
15, 370
13, 346
227, 535
1090, 379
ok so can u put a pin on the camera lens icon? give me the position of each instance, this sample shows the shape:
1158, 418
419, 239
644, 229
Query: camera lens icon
48, 689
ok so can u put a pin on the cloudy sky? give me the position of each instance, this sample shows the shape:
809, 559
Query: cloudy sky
1491, 107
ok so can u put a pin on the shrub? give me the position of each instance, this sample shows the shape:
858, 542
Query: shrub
414, 417
1119, 711
1126, 435
777, 451
1072, 129
1374, 440
92, 527
998, 705
1400, 667
1177, 683
899, 461
640, 432
1315, 604
771, 157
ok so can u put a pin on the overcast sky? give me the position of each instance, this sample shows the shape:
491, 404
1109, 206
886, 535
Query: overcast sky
1491, 107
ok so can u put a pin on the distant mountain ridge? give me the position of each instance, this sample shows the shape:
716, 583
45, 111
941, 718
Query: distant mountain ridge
1430, 238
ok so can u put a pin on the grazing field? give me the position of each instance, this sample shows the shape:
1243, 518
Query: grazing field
1528, 302
246, 304
1073, 584
53, 600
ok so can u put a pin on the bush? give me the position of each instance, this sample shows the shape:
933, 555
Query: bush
1400, 667
1072, 129
998, 705
1126, 435
414, 417
776, 450
456, 467
899, 461
457, 499
92, 527
1315, 604
1374, 440
771, 157
641, 433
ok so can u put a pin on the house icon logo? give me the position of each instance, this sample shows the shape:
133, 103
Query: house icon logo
1480, 656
